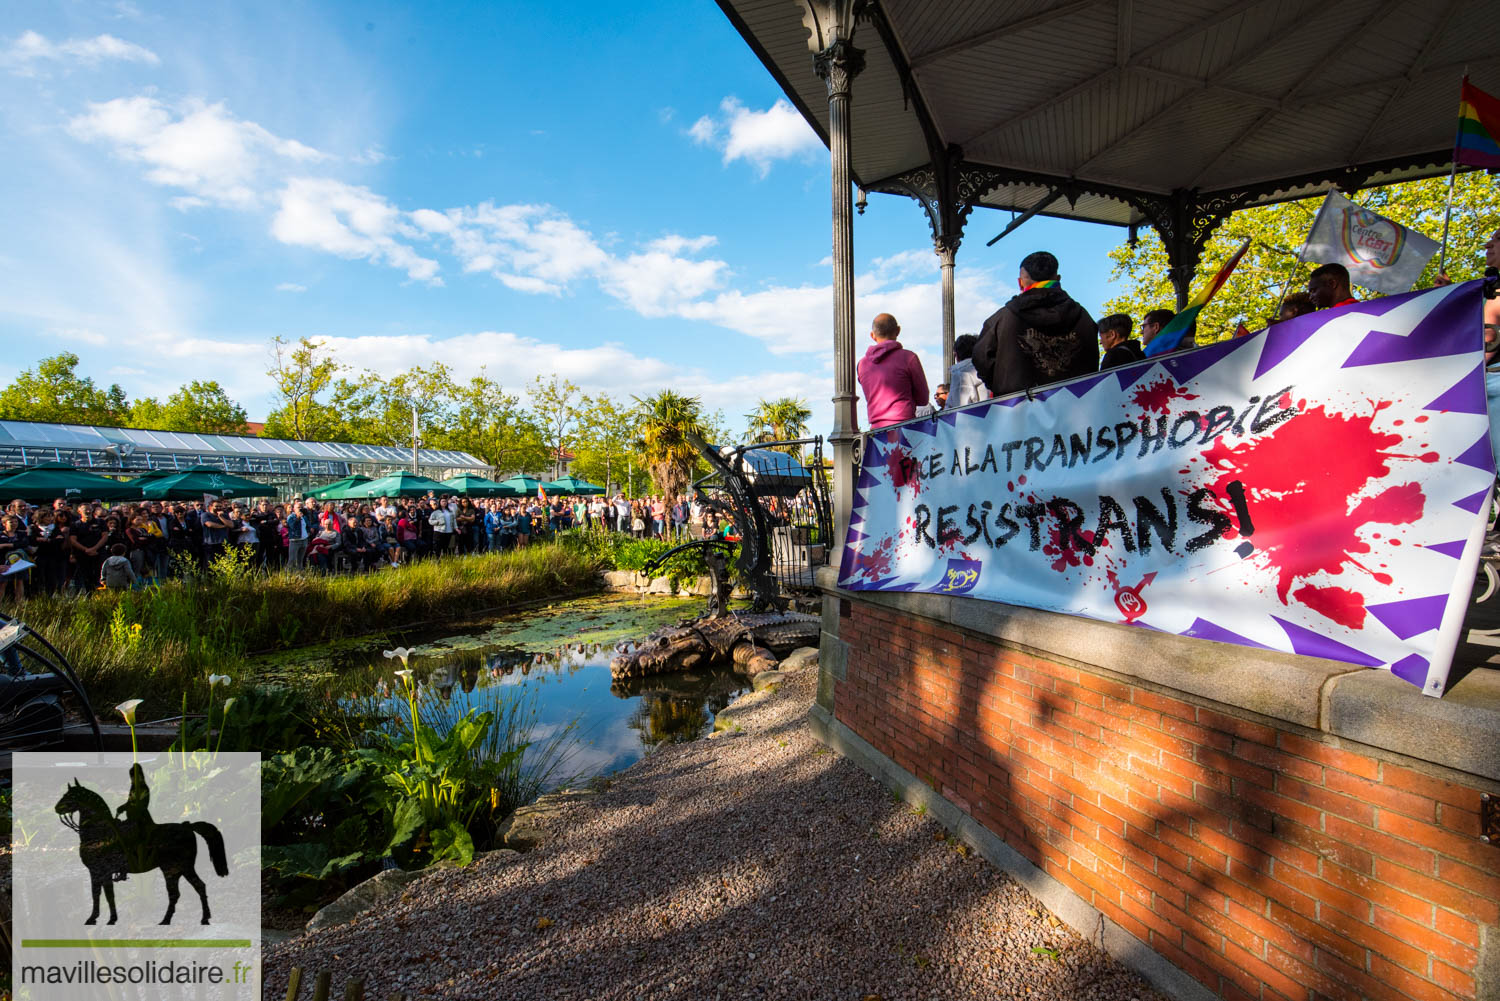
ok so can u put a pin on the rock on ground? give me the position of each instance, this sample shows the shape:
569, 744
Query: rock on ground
763, 867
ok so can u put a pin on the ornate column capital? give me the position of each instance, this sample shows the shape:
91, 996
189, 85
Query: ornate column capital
838, 65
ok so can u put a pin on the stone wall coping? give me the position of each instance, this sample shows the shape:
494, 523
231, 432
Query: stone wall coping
1371, 707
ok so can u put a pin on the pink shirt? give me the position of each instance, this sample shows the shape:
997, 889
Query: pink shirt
893, 383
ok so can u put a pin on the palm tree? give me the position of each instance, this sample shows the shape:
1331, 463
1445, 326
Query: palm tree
666, 419
779, 420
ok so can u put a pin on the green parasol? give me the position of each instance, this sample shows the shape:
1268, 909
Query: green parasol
192, 484
51, 480
402, 484
477, 486
572, 486
522, 485
340, 489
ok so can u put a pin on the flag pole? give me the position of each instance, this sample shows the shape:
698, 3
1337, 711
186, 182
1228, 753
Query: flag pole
1447, 214
1452, 175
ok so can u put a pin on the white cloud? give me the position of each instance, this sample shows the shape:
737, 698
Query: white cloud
760, 137
196, 147
349, 221
609, 367
291, 287
31, 49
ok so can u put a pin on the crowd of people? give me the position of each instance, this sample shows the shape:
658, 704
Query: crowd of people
1041, 335
82, 546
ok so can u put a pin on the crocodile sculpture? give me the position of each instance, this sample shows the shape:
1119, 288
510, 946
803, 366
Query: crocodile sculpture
753, 642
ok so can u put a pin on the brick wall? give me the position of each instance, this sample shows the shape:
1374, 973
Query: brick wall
1265, 863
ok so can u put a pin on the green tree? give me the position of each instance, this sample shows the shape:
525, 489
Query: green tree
554, 408
782, 419
1277, 233
665, 421
55, 392
491, 424
606, 430
377, 410
300, 374
198, 406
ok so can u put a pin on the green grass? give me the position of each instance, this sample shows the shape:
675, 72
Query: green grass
189, 628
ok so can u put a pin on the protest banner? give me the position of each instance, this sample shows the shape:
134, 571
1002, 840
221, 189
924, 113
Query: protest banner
1381, 255
1319, 488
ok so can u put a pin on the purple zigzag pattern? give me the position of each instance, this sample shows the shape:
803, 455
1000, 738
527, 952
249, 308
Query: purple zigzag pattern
1206, 630
1411, 616
1454, 549
1079, 387
1307, 643
874, 457
1191, 364
1473, 502
948, 417
1130, 374
866, 480
1478, 455
1283, 340
1411, 668
1449, 328
1466, 396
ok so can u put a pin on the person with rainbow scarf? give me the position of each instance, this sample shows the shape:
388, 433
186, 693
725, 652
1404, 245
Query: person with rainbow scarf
1039, 336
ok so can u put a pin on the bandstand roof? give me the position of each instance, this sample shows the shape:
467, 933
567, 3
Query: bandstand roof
1095, 107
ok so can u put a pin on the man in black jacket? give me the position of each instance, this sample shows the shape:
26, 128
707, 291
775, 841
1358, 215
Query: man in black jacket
1040, 336
1119, 347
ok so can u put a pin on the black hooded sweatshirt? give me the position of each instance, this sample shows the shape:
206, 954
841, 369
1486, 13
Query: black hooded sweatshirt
1040, 336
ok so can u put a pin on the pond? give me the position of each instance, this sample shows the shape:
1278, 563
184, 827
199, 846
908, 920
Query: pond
554, 662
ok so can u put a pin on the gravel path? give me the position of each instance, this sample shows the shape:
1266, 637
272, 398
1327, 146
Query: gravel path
755, 866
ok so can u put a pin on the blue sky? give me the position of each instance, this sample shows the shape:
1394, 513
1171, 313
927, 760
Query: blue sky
614, 194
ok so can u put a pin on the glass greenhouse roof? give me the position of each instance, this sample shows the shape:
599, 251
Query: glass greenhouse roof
140, 443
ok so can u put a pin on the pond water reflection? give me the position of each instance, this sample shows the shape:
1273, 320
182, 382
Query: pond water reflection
614, 722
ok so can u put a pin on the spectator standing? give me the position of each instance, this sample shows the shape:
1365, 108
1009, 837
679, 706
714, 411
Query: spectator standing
443, 522
1041, 335
1119, 347
1295, 305
86, 541
1152, 323
890, 376
1329, 287
964, 384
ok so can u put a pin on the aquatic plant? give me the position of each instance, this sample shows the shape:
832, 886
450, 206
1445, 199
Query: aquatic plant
200, 625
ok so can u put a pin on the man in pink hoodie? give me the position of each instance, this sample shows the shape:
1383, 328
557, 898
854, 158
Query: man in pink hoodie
890, 376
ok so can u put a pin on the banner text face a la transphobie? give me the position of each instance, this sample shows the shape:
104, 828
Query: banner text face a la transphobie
1313, 488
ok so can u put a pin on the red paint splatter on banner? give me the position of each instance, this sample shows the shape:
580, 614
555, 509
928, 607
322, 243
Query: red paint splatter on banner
1340, 604
1301, 480
1067, 557
874, 564
1160, 395
904, 470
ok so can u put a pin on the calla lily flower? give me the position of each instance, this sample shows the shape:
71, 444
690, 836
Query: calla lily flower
401, 651
405, 676
127, 709
218, 679
228, 703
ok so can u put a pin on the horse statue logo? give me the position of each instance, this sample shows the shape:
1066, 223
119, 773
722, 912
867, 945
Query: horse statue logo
112, 848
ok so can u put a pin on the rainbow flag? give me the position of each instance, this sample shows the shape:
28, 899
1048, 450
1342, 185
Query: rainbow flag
1478, 140
1169, 337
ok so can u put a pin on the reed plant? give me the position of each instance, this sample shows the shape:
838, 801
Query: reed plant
209, 623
